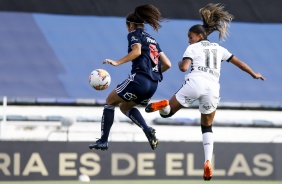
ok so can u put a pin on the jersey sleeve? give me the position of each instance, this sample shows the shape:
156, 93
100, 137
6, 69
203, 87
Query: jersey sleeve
188, 53
159, 48
133, 38
226, 55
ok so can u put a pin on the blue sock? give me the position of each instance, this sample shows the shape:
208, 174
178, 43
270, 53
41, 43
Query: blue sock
137, 118
107, 121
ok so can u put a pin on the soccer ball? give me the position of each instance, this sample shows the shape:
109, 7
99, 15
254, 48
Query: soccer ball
99, 79
84, 178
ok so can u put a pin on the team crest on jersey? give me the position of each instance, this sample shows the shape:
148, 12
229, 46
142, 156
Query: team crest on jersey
188, 100
133, 38
207, 106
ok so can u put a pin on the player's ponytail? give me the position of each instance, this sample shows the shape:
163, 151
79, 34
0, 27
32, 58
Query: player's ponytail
215, 19
146, 14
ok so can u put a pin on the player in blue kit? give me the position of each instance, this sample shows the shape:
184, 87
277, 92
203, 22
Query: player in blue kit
148, 64
202, 82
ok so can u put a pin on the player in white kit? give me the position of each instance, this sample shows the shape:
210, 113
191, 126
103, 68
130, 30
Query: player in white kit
202, 83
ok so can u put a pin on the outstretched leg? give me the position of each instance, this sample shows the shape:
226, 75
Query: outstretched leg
166, 108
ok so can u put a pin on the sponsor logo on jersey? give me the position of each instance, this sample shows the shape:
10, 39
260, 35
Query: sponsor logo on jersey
208, 70
151, 40
133, 38
155, 69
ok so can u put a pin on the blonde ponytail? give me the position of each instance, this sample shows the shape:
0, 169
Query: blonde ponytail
215, 18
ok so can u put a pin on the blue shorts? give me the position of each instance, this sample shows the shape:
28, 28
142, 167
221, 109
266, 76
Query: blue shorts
138, 88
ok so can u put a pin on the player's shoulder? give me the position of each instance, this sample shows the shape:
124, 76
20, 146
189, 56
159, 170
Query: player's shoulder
197, 45
134, 36
138, 31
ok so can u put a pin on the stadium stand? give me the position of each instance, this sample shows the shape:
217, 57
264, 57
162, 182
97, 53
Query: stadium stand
51, 56
48, 52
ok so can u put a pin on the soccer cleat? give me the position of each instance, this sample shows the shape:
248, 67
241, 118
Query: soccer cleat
151, 136
99, 145
155, 106
207, 171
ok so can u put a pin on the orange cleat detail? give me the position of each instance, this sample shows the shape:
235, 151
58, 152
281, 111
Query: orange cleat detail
207, 171
155, 106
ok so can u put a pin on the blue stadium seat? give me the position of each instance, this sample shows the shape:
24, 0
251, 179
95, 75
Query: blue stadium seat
51, 56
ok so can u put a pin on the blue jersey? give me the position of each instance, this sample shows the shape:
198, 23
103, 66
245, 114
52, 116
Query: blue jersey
148, 62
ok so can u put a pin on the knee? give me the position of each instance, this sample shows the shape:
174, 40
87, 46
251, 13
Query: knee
109, 101
122, 108
206, 123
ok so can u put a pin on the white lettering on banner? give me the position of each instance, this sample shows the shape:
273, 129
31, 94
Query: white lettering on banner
90, 161
217, 172
17, 167
67, 164
265, 167
4, 165
122, 156
239, 165
173, 165
190, 166
145, 165
35, 165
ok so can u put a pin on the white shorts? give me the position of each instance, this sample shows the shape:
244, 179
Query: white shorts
202, 89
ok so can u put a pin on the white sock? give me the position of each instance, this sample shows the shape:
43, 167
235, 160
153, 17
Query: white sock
208, 145
166, 110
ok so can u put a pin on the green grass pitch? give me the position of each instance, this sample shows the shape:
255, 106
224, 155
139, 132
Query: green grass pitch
146, 182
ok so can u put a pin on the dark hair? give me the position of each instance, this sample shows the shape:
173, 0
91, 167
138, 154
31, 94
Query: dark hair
214, 19
146, 14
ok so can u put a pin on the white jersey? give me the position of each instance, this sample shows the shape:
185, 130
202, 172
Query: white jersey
202, 83
206, 58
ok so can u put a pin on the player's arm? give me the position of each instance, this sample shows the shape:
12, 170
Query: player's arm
166, 64
134, 53
243, 66
184, 64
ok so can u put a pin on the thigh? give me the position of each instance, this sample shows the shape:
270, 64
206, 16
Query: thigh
208, 101
174, 104
113, 98
189, 92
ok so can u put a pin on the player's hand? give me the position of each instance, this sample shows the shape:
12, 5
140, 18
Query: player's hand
111, 62
258, 76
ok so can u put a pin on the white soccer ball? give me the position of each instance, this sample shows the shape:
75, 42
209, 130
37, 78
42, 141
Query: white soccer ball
84, 178
99, 79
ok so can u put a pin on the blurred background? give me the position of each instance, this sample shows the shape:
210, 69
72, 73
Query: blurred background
49, 48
